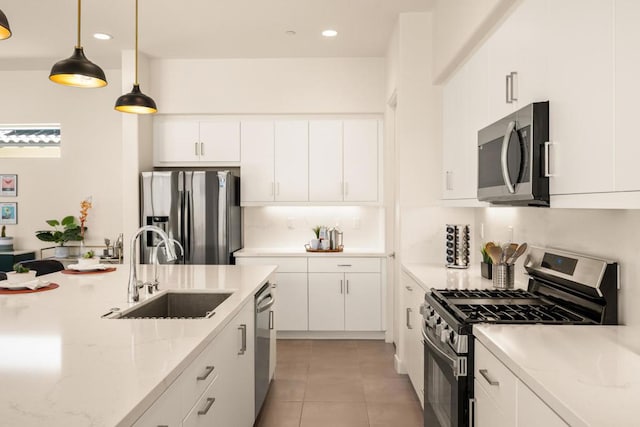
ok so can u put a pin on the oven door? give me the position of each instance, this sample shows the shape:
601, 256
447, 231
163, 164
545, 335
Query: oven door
446, 392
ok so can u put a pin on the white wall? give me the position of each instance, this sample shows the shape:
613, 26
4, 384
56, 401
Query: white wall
459, 26
290, 226
90, 163
269, 86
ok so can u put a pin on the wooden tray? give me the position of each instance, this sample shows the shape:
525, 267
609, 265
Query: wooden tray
308, 248
49, 287
106, 270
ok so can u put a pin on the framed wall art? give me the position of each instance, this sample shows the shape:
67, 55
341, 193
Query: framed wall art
9, 185
8, 213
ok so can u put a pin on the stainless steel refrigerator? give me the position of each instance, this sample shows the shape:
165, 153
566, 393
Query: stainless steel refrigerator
200, 209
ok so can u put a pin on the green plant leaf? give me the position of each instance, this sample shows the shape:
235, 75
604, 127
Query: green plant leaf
53, 222
45, 236
67, 221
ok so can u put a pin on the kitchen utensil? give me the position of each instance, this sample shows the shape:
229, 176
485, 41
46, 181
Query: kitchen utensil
518, 253
495, 253
509, 251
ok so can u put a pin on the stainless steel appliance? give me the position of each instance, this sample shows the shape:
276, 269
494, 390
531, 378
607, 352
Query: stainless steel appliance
564, 288
513, 158
264, 300
457, 242
200, 209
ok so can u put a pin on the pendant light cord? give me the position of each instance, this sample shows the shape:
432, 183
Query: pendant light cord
136, 82
79, 45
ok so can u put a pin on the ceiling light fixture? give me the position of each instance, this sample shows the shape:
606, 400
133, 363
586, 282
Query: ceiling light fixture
77, 70
135, 101
5, 31
329, 33
102, 36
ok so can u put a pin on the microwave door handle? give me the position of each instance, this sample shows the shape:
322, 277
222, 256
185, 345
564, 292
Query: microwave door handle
503, 157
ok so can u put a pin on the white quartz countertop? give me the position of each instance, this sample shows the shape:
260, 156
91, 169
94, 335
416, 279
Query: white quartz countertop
301, 252
61, 364
589, 375
440, 277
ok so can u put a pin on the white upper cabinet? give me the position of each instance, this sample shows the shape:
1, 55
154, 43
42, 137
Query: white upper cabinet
360, 145
581, 95
257, 161
182, 141
291, 161
326, 183
627, 94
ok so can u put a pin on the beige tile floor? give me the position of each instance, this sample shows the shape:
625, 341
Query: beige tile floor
339, 384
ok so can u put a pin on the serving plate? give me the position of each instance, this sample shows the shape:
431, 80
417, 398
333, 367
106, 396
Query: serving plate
91, 267
32, 284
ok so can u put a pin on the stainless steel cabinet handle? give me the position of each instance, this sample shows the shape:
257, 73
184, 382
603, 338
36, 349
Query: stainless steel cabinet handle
196, 145
210, 401
344, 265
206, 374
448, 180
347, 286
514, 87
271, 320
202, 148
507, 83
504, 165
243, 329
472, 410
547, 172
485, 374
409, 319
409, 288
341, 287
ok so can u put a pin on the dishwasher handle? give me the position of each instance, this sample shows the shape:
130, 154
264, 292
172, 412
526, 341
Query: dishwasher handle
264, 306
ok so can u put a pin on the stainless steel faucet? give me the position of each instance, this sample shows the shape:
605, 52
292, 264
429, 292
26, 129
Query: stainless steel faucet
134, 284
155, 285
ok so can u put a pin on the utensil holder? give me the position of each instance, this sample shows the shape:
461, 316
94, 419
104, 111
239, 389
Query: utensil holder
503, 276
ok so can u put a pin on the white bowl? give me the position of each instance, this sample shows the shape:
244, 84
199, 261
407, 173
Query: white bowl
85, 262
13, 277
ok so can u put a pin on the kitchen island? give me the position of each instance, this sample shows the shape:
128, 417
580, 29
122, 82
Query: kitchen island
61, 364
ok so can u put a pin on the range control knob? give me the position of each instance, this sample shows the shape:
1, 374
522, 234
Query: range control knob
444, 335
453, 337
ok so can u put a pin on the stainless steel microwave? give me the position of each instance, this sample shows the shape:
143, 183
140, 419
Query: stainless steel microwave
513, 163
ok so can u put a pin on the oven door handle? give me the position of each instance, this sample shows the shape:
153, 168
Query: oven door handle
433, 346
504, 165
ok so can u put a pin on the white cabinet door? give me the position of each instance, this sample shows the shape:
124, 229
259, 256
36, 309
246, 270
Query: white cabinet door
176, 140
325, 161
453, 150
165, 411
220, 141
292, 311
487, 412
257, 162
291, 161
362, 306
627, 93
533, 412
581, 95
326, 301
360, 147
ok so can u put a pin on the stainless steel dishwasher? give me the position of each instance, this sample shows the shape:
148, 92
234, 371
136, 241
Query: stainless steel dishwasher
264, 325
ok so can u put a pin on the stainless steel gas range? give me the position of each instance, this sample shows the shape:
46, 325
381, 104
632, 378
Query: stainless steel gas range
563, 288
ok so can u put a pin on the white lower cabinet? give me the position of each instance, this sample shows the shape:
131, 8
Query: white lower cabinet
411, 334
501, 399
217, 389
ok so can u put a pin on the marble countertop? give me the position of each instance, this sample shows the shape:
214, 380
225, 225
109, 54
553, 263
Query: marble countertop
61, 364
589, 375
301, 252
440, 277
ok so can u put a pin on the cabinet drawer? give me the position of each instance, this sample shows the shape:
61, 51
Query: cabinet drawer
200, 374
285, 265
344, 265
204, 411
496, 379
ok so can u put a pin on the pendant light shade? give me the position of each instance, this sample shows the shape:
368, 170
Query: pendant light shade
77, 70
135, 101
5, 31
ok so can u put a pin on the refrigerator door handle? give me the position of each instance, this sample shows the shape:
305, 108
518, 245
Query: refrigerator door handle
188, 214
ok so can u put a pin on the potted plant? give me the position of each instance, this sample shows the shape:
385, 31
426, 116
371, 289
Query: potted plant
315, 243
487, 264
63, 231
20, 274
6, 243
88, 258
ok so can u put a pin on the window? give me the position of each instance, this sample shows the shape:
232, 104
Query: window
30, 140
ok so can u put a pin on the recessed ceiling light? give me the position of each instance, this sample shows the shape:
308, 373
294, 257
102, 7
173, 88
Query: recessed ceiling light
102, 36
329, 33
290, 33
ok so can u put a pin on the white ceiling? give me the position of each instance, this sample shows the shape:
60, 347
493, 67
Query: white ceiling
46, 30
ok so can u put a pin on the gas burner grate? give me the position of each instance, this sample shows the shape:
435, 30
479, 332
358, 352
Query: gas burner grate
485, 293
517, 313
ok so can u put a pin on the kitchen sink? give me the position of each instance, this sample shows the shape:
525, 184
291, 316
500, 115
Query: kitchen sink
174, 305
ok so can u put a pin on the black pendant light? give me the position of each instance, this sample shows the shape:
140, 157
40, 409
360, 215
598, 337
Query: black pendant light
77, 70
5, 31
135, 101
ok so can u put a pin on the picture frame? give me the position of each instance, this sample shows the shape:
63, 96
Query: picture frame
8, 213
9, 185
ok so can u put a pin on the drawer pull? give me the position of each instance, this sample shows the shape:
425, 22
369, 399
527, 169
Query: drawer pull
206, 374
485, 374
409, 319
344, 265
243, 348
210, 401
409, 288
